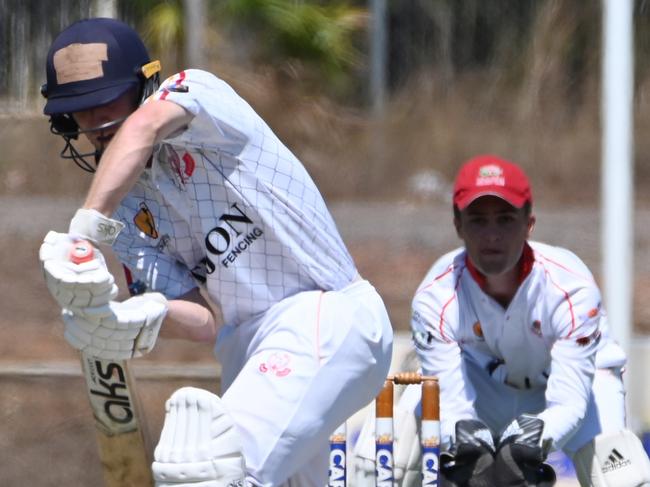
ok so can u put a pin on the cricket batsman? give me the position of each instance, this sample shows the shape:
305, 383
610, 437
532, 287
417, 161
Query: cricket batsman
201, 201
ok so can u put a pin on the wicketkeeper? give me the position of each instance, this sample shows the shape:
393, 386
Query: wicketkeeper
516, 332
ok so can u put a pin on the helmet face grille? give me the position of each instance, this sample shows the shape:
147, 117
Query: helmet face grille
66, 127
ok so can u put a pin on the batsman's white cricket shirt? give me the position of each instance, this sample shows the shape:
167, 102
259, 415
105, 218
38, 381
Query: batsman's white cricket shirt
226, 203
552, 335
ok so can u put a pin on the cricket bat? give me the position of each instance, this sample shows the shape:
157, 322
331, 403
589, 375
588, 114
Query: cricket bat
121, 436
121, 433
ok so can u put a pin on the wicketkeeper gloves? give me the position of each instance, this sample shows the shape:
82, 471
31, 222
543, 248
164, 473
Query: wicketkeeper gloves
469, 460
521, 453
517, 460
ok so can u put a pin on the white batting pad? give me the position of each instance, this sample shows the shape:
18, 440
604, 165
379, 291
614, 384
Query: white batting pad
198, 444
78, 285
613, 460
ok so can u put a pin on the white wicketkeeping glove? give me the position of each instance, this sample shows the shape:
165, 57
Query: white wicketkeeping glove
75, 285
116, 331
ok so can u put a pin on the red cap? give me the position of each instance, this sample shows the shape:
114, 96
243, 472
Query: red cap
489, 175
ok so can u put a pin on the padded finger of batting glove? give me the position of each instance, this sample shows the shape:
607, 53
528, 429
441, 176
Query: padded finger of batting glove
155, 307
469, 461
91, 338
521, 453
117, 330
78, 285
199, 444
92, 225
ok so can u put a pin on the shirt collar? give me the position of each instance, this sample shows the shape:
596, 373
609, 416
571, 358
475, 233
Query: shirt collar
525, 266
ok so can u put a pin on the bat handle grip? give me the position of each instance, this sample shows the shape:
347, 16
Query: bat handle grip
81, 251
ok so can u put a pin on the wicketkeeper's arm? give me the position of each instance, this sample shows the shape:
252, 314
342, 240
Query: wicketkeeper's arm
441, 357
572, 363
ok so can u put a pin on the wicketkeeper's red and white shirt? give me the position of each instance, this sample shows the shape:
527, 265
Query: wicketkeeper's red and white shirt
552, 335
227, 204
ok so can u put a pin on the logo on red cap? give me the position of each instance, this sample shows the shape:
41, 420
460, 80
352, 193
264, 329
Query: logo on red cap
490, 175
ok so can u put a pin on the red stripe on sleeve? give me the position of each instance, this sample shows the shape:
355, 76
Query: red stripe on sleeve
444, 308
568, 300
437, 278
563, 267
179, 81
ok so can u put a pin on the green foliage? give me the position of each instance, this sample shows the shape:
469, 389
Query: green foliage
543, 48
163, 26
317, 33
320, 35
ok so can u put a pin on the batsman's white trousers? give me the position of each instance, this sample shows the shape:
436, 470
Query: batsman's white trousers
292, 375
497, 404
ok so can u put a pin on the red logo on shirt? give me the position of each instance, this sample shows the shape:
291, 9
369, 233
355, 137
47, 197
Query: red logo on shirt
537, 328
276, 364
188, 169
183, 166
592, 313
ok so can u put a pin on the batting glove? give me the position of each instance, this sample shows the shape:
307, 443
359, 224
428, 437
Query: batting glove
75, 285
117, 331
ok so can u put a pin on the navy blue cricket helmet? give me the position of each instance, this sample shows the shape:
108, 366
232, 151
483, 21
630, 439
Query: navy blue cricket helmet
90, 64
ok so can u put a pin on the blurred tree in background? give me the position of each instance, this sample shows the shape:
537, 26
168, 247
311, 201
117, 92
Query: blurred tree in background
534, 46
538, 48
321, 33
283, 33
517, 77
